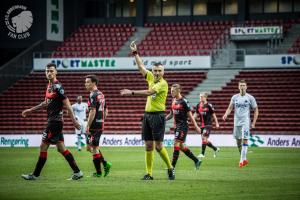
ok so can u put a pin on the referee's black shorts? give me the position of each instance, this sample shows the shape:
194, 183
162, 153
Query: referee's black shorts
153, 126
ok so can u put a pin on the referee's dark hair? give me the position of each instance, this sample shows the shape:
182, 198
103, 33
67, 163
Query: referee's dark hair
157, 64
51, 65
93, 78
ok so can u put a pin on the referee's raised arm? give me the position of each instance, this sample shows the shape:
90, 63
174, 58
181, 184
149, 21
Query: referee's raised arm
138, 60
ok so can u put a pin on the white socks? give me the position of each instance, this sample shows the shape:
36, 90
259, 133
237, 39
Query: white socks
78, 142
244, 152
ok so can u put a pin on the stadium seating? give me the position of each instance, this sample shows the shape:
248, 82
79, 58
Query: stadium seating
286, 24
124, 112
295, 47
95, 40
185, 38
277, 94
166, 39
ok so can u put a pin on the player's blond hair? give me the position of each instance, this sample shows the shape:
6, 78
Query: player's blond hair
205, 94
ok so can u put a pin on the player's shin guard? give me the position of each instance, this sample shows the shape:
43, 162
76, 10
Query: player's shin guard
203, 147
69, 157
189, 154
164, 155
175, 156
149, 157
40, 163
78, 142
244, 152
239, 148
97, 161
104, 162
209, 144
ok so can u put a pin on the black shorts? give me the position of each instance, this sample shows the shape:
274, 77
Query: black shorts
153, 126
180, 134
53, 132
95, 137
206, 131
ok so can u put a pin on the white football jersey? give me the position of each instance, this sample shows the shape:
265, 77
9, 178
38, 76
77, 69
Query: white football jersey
242, 106
80, 110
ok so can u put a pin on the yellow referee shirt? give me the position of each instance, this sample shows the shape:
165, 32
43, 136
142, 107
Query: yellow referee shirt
157, 101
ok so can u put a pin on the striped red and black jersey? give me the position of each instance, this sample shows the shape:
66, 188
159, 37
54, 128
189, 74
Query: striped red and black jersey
180, 108
97, 101
55, 95
205, 113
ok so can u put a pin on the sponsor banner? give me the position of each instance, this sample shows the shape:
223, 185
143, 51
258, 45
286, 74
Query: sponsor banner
281, 60
55, 20
123, 63
261, 30
132, 140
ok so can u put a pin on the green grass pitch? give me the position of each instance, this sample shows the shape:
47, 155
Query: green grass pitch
272, 173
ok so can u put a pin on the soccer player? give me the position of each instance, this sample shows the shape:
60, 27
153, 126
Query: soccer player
181, 111
242, 104
206, 111
54, 101
95, 123
154, 121
80, 109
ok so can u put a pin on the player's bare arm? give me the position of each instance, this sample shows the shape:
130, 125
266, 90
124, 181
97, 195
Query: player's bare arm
138, 59
105, 113
91, 117
191, 117
216, 120
255, 116
69, 108
170, 115
26, 112
195, 116
145, 93
228, 111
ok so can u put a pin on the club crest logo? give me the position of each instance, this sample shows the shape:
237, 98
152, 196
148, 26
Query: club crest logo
18, 20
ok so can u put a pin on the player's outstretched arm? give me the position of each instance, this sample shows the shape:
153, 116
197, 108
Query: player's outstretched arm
228, 111
91, 117
68, 106
105, 113
26, 112
170, 115
255, 116
216, 120
138, 59
145, 93
195, 115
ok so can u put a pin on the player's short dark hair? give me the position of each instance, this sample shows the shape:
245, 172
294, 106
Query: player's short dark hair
51, 65
177, 86
157, 64
93, 78
242, 81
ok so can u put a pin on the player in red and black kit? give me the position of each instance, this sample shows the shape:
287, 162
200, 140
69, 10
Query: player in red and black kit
55, 99
206, 111
95, 124
181, 112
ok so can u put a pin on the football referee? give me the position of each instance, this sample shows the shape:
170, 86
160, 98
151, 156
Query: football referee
153, 125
